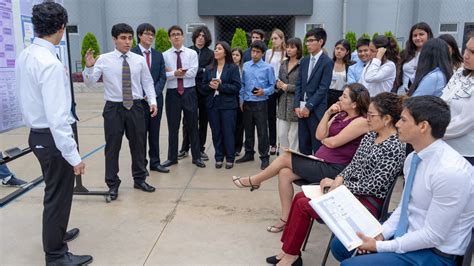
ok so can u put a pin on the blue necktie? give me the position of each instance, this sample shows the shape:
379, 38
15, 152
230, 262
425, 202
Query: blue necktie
403, 222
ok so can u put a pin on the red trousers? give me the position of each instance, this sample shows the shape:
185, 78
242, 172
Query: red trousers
299, 220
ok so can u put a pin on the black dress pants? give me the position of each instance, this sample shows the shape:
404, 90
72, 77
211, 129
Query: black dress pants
58, 177
203, 120
117, 121
152, 132
239, 131
255, 115
272, 128
175, 104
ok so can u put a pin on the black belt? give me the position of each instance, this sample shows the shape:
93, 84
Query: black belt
41, 130
444, 255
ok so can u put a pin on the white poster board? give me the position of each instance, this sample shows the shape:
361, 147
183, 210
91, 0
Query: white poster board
16, 34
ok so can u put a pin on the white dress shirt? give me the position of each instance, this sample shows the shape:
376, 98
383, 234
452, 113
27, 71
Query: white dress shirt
189, 61
275, 60
313, 58
378, 78
45, 95
109, 66
459, 94
441, 206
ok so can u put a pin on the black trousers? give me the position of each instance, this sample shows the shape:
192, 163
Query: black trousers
117, 121
58, 177
255, 115
333, 96
239, 131
308, 143
222, 122
203, 120
272, 128
175, 104
152, 132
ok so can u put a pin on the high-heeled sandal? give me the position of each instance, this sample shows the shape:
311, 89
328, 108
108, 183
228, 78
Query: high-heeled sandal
238, 183
277, 229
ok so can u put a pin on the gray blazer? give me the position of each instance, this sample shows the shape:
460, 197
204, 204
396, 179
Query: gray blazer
285, 109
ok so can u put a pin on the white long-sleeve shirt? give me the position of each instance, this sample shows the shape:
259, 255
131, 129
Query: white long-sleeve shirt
45, 96
441, 205
459, 94
109, 66
189, 61
378, 78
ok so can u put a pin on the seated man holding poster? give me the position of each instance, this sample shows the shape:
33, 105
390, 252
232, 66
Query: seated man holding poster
376, 164
433, 223
340, 131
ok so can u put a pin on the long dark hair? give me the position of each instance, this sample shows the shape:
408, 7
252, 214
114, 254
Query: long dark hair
239, 50
434, 54
228, 54
347, 58
388, 43
410, 50
456, 57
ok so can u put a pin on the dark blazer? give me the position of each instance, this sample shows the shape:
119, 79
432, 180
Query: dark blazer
157, 70
316, 86
228, 89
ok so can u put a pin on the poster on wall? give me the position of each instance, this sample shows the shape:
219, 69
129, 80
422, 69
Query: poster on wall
10, 112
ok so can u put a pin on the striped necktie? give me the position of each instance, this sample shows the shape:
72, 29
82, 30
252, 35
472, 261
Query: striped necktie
126, 84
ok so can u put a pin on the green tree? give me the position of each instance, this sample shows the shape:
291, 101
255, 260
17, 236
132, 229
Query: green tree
352, 39
375, 35
270, 44
134, 42
89, 41
365, 35
389, 34
239, 39
162, 42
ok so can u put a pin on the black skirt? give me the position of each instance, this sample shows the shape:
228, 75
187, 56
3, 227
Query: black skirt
314, 171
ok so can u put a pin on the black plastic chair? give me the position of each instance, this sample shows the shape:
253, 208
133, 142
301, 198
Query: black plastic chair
382, 211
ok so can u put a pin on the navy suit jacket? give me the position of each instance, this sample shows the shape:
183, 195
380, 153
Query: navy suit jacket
157, 70
228, 89
316, 87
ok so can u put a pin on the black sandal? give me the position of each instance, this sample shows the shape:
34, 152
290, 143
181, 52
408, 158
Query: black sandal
241, 185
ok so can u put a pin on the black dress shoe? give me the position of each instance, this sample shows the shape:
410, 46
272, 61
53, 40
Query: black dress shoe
246, 158
159, 168
265, 164
144, 186
219, 165
182, 155
71, 234
168, 163
298, 262
113, 191
69, 259
272, 260
229, 165
199, 163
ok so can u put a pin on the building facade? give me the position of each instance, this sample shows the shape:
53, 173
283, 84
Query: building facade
294, 17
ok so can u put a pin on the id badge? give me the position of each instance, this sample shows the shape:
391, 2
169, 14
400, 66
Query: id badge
302, 104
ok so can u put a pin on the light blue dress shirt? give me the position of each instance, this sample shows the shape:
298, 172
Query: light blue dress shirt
258, 75
432, 84
355, 71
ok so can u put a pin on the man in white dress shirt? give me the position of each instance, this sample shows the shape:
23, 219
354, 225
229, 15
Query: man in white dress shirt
126, 76
45, 99
181, 69
433, 223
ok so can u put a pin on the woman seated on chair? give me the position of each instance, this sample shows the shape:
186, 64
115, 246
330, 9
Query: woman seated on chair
340, 136
375, 166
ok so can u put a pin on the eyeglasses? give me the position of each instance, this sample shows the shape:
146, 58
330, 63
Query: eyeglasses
175, 34
149, 33
310, 40
370, 115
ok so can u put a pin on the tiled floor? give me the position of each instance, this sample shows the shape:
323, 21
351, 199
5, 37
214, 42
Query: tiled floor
195, 217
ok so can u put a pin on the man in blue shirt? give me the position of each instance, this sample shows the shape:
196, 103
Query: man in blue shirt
258, 81
355, 71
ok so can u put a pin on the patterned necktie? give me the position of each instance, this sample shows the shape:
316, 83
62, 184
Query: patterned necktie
178, 66
126, 84
311, 66
147, 56
403, 222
